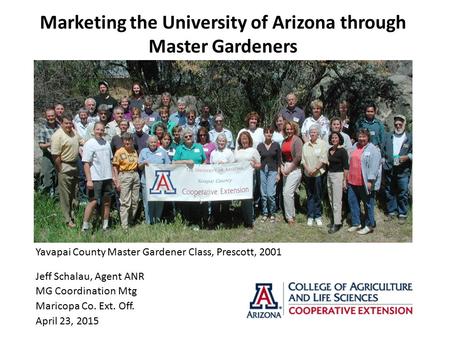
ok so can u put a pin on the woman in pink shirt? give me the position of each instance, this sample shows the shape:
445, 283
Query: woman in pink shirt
203, 139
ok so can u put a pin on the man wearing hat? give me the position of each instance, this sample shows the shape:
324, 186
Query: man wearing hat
104, 98
397, 169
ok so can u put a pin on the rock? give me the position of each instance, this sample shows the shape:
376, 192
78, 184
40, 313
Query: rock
401, 67
403, 105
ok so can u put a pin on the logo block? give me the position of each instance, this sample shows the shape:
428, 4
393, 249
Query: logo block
263, 298
162, 183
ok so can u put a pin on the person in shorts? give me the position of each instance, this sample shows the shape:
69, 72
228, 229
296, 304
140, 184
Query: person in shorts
97, 164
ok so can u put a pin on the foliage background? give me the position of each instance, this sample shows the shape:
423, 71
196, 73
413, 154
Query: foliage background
233, 87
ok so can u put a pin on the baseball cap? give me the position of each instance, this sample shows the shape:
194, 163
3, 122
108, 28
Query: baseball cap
103, 83
400, 117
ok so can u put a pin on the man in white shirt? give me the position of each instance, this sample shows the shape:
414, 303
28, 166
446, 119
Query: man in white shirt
397, 166
113, 126
90, 105
82, 124
97, 164
103, 118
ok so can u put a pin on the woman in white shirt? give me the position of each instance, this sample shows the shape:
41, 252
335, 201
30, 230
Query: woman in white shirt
222, 154
316, 119
252, 121
278, 127
257, 135
246, 153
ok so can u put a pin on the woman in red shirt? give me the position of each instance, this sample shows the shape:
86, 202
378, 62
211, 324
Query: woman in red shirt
291, 152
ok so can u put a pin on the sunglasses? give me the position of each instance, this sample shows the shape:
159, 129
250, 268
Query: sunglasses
188, 136
219, 121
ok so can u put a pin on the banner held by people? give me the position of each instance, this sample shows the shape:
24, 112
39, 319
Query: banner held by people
221, 182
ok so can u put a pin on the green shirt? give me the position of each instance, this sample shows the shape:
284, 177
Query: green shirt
195, 153
169, 126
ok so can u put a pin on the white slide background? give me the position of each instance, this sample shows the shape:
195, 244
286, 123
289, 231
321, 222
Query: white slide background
203, 297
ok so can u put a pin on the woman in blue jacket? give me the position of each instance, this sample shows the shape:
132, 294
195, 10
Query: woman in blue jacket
364, 178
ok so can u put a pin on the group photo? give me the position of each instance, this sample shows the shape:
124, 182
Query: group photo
223, 151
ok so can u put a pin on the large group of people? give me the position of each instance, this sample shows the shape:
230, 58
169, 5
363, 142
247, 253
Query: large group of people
98, 157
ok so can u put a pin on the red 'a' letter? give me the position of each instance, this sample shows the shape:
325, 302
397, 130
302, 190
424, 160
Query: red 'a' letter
163, 183
263, 295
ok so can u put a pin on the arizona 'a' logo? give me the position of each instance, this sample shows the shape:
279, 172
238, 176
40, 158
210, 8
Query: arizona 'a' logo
162, 183
263, 297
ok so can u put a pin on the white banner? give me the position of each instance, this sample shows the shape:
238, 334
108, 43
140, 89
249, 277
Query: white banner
202, 182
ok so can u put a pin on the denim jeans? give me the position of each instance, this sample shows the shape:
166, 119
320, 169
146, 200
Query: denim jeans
268, 190
314, 192
396, 192
152, 209
356, 194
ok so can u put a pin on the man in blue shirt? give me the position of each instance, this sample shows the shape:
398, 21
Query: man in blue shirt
292, 112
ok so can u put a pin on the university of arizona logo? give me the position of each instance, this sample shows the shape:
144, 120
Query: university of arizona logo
162, 183
263, 297
265, 302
